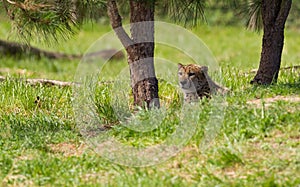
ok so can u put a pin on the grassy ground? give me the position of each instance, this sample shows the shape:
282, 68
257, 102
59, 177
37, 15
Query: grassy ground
258, 143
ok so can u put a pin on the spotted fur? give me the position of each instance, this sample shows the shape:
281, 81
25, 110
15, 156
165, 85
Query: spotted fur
196, 84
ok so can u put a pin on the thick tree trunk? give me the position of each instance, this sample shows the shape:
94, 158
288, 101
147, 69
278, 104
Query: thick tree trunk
274, 15
140, 50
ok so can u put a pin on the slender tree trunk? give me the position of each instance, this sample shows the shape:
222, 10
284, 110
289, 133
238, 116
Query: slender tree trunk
274, 15
140, 49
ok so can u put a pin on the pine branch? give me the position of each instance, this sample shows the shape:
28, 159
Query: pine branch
49, 21
26, 6
187, 11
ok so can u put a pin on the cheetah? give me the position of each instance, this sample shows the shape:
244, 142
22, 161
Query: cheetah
195, 83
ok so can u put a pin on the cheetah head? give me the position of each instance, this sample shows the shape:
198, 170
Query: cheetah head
191, 75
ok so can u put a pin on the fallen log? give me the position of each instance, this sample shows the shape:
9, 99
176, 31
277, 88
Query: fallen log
17, 50
282, 68
48, 82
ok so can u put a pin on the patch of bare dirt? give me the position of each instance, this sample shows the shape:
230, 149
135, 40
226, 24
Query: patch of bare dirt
25, 72
269, 101
16, 180
68, 149
284, 145
185, 160
259, 155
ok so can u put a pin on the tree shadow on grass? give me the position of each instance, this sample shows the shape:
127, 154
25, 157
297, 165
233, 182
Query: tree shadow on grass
291, 87
282, 87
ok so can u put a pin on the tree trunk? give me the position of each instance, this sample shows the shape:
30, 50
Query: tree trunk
274, 15
140, 56
140, 50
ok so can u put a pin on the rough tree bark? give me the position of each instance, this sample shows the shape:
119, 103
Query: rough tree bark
274, 15
139, 48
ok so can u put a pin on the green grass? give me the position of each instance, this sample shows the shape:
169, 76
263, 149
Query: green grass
257, 145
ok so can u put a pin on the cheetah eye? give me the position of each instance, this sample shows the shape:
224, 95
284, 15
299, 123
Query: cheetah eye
180, 73
191, 74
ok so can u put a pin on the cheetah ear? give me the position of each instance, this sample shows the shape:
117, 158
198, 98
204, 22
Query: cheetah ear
180, 65
204, 69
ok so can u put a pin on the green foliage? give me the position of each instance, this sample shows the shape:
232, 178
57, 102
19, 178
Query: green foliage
248, 13
89, 10
48, 20
42, 20
236, 12
188, 12
254, 17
